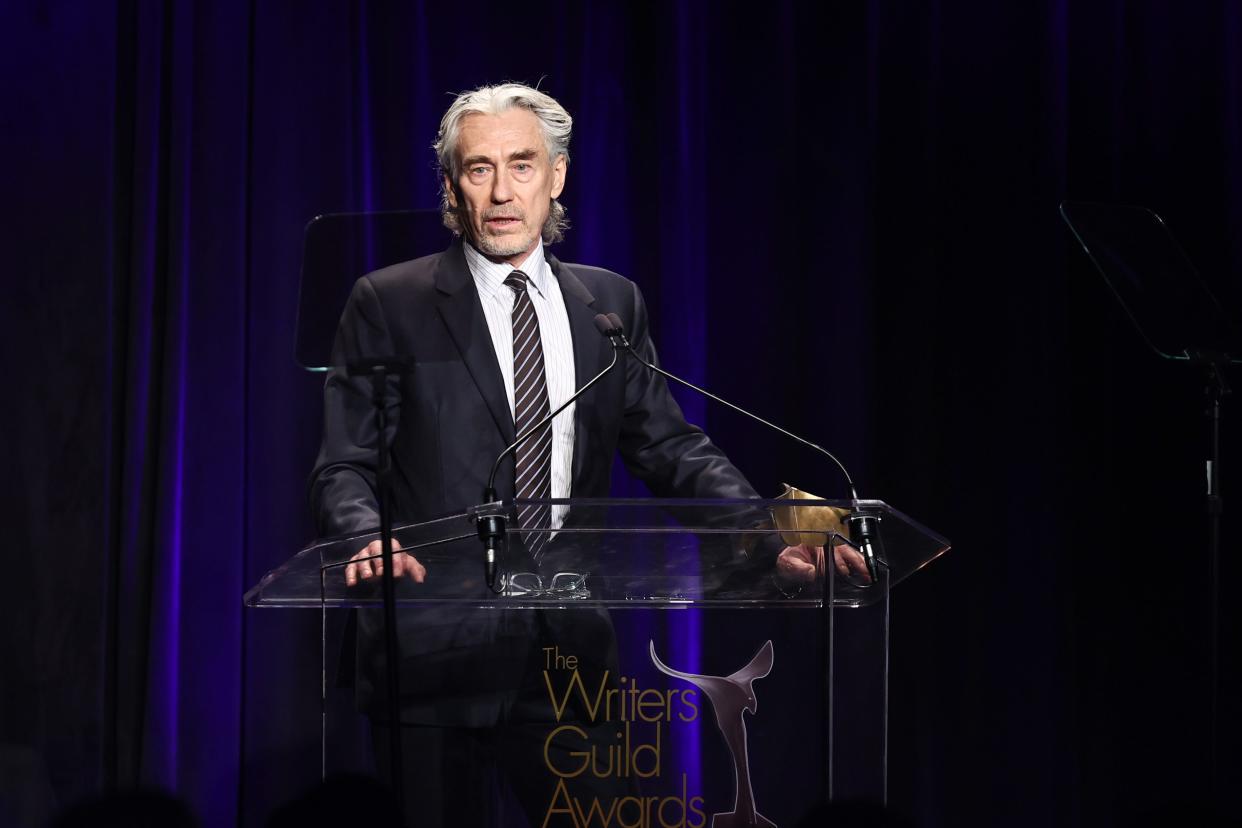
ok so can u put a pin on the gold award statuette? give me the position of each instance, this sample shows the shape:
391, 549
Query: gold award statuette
810, 525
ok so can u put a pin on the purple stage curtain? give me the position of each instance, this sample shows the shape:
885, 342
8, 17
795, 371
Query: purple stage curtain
843, 215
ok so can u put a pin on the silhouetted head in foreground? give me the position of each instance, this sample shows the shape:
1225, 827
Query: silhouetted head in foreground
851, 814
128, 809
339, 800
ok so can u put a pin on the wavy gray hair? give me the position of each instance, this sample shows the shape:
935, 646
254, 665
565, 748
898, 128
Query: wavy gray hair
554, 123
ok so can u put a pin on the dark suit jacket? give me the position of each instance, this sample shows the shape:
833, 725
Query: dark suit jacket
449, 418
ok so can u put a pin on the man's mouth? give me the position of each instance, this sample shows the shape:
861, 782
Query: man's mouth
502, 222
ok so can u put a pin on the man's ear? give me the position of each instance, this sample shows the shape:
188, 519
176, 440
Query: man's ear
559, 169
450, 192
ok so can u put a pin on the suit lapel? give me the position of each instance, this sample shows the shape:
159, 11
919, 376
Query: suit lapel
589, 350
462, 313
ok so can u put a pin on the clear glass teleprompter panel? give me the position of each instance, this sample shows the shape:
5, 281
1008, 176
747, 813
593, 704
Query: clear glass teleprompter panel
1154, 280
337, 249
616, 553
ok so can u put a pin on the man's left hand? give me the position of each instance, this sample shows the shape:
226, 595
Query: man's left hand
804, 564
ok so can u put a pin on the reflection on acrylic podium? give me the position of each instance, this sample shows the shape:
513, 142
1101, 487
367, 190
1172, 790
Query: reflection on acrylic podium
663, 651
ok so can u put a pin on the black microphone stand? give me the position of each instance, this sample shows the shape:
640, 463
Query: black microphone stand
378, 369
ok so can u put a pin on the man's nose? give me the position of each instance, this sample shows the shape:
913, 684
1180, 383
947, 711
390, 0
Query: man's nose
502, 191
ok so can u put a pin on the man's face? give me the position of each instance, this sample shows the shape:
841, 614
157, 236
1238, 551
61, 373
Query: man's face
506, 185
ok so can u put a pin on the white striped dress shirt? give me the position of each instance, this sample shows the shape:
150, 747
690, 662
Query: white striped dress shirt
558, 348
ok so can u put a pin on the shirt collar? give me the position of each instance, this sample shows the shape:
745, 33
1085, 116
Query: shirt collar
490, 276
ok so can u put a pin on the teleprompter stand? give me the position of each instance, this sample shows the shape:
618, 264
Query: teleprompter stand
378, 371
1181, 321
337, 249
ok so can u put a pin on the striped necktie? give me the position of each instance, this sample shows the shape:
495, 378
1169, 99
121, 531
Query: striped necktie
533, 459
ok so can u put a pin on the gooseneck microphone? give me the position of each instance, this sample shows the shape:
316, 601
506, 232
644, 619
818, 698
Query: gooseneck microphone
618, 333
491, 526
863, 525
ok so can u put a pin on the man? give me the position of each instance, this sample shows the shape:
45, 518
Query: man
500, 333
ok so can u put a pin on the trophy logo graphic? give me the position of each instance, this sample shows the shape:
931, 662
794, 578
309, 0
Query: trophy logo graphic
731, 696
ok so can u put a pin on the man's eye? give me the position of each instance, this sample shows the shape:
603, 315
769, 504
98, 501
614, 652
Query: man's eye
478, 170
522, 167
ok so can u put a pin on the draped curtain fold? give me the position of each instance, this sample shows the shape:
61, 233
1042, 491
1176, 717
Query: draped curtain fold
844, 216
175, 543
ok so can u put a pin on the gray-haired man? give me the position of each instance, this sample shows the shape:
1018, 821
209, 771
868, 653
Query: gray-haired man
498, 330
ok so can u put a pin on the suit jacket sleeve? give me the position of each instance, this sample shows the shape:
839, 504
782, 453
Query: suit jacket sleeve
673, 457
343, 484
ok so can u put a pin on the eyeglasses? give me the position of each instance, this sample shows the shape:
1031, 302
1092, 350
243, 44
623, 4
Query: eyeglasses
532, 585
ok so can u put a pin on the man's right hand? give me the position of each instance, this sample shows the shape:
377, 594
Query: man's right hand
402, 564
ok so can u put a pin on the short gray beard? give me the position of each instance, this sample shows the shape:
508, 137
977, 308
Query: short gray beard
502, 248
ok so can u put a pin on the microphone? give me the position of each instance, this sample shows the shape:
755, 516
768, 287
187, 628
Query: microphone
864, 529
863, 525
491, 526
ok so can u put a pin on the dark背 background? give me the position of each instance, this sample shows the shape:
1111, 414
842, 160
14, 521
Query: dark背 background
841, 214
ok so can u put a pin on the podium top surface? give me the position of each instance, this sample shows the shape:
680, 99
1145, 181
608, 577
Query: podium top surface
616, 553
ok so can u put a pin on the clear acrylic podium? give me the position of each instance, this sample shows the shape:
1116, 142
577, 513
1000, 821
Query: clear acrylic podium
719, 556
